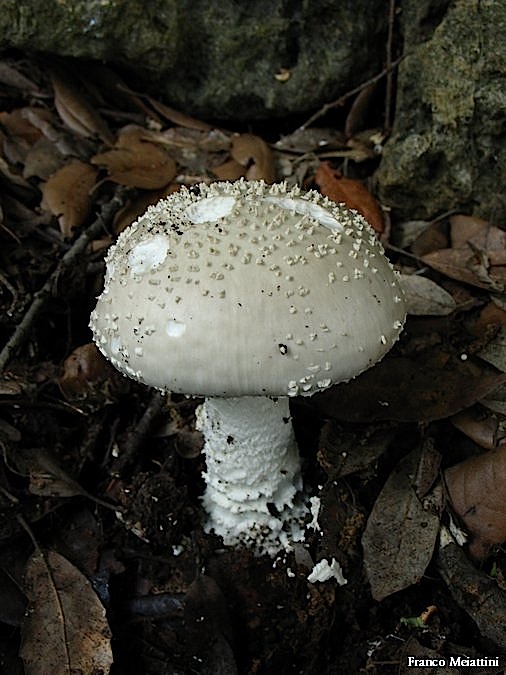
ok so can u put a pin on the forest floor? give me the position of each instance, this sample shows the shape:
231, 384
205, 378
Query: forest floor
104, 564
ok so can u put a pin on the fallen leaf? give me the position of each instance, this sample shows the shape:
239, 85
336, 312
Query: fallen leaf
494, 351
65, 629
42, 160
16, 124
433, 238
353, 193
254, 154
47, 478
177, 117
495, 401
476, 489
83, 370
342, 452
407, 389
477, 594
209, 626
14, 78
229, 170
67, 194
478, 255
424, 297
463, 228
401, 531
136, 162
12, 600
137, 206
76, 109
360, 110
311, 139
480, 426
467, 266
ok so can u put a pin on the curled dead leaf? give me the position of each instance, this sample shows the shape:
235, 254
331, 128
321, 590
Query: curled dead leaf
82, 370
252, 152
477, 256
76, 109
482, 427
424, 297
229, 170
353, 193
67, 195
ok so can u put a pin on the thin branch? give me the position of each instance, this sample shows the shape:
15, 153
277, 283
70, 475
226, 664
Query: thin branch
41, 297
141, 431
342, 99
390, 75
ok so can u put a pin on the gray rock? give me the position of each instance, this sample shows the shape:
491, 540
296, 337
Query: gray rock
215, 59
447, 149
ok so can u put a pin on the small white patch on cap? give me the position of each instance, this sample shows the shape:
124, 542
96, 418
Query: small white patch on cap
209, 209
175, 328
115, 345
148, 254
306, 208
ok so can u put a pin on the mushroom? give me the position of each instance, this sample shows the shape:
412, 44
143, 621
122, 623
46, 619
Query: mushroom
248, 294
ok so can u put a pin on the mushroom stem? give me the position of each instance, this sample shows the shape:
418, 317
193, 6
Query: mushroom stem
253, 472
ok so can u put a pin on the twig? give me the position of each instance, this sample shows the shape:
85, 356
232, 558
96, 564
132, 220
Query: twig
342, 99
136, 438
390, 75
40, 298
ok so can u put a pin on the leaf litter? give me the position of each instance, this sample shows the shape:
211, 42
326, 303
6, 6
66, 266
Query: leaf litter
389, 456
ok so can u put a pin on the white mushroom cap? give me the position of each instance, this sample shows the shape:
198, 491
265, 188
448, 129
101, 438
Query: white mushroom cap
247, 289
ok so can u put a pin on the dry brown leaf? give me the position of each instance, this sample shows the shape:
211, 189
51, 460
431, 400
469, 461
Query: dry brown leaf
76, 110
343, 452
432, 238
177, 117
47, 478
482, 427
229, 170
467, 266
401, 531
253, 153
67, 195
360, 110
335, 186
478, 255
16, 124
43, 160
136, 207
313, 139
463, 228
14, 78
136, 162
408, 389
65, 629
424, 297
82, 370
476, 488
